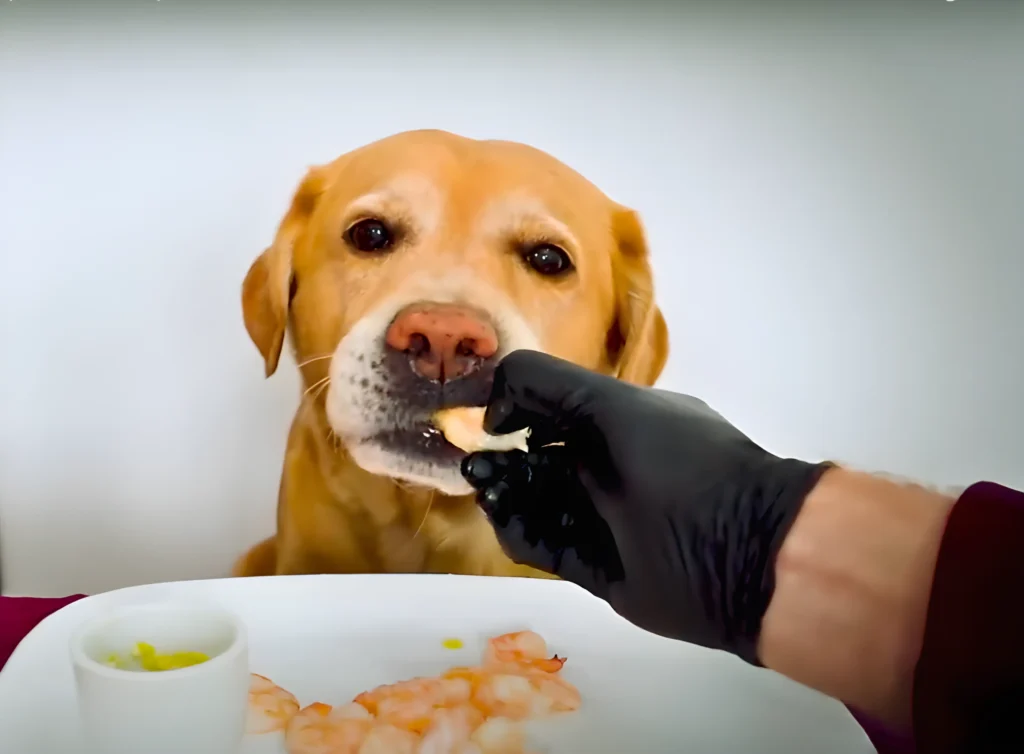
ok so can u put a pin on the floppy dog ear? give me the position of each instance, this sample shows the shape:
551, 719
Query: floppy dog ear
638, 342
269, 285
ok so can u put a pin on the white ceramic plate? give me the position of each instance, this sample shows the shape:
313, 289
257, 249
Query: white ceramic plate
326, 638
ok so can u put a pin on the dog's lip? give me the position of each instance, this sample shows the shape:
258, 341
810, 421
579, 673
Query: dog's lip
416, 394
422, 440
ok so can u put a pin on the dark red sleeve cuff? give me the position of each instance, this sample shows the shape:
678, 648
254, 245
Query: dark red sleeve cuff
19, 615
969, 683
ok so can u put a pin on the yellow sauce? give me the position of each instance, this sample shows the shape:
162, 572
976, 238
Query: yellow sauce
452, 643
145, 657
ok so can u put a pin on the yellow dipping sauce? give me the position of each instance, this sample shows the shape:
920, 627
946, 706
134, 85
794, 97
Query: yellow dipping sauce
452, 643
145, 657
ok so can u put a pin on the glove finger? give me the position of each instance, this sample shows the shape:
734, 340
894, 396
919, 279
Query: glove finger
486, 468
510, 527
539, 391
521, 545
518, 483
543, 518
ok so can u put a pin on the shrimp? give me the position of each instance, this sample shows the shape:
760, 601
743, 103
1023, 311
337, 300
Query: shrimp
423, 688
560, 695
463, 427
526, 648
410, 705
499, 735
468, 680
511, 695
319, 729
469, 675
519, 693
409, 712
387, 739
454, 691
465, 710
449, 729
270, 706
351, 711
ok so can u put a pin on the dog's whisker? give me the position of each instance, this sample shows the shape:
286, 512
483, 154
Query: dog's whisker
439, 544
317, 384
315, 358
320, 391
333, 439
430, 502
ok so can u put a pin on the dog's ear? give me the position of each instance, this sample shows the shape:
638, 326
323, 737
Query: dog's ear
638, 341
269, 285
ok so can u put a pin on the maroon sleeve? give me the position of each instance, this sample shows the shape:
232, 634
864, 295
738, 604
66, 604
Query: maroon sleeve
969, 683
19, 615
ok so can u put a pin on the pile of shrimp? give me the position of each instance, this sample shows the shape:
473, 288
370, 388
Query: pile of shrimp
465, 710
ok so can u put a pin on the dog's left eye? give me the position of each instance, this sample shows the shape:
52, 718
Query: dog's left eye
370, 235
548, 260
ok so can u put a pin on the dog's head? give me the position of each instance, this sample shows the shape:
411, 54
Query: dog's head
405, 270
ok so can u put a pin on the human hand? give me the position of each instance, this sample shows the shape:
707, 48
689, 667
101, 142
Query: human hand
648, 499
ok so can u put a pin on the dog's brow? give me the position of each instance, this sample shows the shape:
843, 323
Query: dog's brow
406, 193
527, 215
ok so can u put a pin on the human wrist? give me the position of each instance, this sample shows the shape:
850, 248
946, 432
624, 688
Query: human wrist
852, 581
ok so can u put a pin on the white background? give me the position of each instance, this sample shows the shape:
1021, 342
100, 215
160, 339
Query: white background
833, 194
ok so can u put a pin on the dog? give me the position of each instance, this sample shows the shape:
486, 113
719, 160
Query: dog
401, 274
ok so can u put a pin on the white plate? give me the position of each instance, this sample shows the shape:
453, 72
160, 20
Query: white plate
326, 638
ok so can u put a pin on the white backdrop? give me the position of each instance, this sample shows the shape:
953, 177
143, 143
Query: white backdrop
833, 193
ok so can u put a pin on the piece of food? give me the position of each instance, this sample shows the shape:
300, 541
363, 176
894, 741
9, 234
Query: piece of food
526, 648
465, 710
152, 660
270, 706
145, 657
463, 427
319, 729
452, 643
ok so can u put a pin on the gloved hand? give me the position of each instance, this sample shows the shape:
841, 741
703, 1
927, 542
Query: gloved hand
651, 500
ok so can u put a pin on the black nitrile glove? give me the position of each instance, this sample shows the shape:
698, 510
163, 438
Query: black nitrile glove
652, 502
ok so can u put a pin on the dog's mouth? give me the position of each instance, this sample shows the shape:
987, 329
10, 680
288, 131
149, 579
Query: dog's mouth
411, 402
425, 442
383, 392
385, 417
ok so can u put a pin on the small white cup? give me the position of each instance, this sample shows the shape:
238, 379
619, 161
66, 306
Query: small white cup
195, 710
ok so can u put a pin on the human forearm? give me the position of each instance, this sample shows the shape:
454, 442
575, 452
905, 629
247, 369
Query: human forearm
853, 579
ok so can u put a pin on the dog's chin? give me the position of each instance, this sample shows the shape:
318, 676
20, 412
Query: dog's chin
422, 458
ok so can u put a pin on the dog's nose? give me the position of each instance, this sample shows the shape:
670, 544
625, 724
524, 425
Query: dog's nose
444, 341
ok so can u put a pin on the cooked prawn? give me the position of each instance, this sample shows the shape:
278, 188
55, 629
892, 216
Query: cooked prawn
511, 695
561, 695
410, 712
454, 691
270, 706
463, 427
351, 711
419, 688
410, 704
450, 728
499, 735
318, 729
387, 739
522, 648
465, 710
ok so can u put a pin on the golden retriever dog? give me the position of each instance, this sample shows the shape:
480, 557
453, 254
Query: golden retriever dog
401, 274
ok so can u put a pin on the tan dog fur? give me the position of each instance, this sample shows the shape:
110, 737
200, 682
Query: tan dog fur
465, 204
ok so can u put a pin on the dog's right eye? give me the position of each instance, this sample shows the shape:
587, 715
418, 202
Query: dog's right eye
370, 236
549, 260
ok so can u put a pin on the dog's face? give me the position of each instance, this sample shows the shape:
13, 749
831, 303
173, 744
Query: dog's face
405, 270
